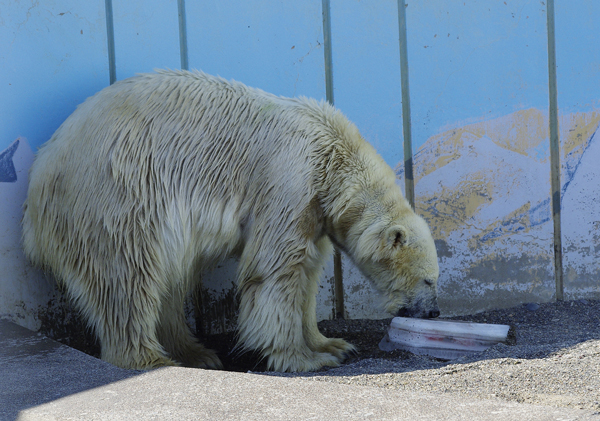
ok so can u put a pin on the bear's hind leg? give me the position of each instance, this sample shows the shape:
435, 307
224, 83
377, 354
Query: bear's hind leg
124, 318
175, 335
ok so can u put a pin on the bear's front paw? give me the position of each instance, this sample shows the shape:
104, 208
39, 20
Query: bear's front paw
301, 361
338, 347
197, 356
143, 363
207, 359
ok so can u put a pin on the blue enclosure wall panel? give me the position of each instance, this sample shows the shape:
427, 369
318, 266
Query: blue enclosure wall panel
146, 37
578, 55
479, 93
366, 71
474, 60
479, 102
52, 56
272, 45
578, 79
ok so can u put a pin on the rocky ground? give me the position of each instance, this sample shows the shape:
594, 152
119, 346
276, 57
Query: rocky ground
553, 357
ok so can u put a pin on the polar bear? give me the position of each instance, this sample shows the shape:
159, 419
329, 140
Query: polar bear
158, 177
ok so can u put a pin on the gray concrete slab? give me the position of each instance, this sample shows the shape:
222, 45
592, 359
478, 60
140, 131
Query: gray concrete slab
43, 380
35, 370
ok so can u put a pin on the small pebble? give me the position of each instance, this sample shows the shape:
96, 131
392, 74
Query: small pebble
532, 306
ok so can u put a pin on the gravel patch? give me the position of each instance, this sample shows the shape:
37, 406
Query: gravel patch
554, 358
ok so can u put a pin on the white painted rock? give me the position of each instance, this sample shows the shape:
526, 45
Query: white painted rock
444, 339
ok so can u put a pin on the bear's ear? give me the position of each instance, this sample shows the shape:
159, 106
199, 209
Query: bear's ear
397, 236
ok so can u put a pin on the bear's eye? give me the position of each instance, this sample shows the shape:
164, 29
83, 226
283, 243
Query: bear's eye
428, 282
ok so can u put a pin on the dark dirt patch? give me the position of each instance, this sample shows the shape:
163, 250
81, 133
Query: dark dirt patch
362, 333
545, 327
542, 327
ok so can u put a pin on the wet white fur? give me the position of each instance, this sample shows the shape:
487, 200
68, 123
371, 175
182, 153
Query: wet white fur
158, 177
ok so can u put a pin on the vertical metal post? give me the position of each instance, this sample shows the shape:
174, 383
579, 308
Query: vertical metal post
554, 151
338, 285
183, 49
409, 183
327, 50
110, 36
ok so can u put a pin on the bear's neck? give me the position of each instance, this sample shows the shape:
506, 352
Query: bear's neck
349, 175
354, 180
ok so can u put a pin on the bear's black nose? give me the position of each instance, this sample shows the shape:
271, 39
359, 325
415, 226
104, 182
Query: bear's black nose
403, 312
421, 314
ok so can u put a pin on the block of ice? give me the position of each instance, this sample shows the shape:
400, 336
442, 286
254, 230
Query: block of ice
444, 339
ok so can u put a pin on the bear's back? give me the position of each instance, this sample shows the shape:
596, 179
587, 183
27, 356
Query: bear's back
173, 147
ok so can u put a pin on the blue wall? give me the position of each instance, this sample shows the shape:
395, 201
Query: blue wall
475, 60
479, 100
469, 61
52, 57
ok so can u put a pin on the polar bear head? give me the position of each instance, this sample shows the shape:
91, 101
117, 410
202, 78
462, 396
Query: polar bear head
394, 249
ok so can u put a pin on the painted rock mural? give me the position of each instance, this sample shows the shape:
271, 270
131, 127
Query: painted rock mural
485, 190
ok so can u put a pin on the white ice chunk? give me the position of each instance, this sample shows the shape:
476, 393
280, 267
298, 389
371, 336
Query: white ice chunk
444, 339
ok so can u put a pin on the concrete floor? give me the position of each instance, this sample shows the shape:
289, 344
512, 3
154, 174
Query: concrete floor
41, 379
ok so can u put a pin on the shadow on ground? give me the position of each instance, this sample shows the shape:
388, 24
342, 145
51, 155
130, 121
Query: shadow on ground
35, 370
